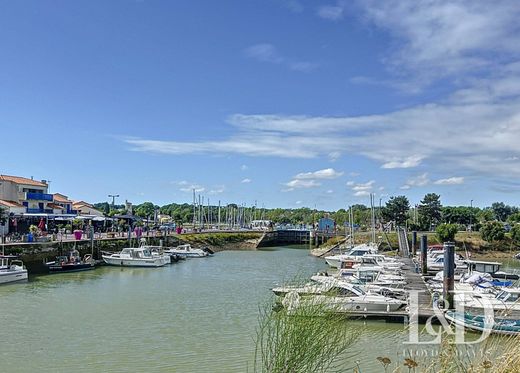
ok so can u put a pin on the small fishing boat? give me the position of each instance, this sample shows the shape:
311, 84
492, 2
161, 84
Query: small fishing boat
11, 269
187, 251
482, 324
135, 257
71, 263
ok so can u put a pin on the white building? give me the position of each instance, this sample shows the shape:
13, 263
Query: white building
22, 195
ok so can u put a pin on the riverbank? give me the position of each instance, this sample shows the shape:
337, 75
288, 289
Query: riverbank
34, 255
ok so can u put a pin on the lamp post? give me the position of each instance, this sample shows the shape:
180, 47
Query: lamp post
113, 196
471, 216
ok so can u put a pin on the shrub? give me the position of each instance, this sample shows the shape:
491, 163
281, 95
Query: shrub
446, 232
492, 231
515, 234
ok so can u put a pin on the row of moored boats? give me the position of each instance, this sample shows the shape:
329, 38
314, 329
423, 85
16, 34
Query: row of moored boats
365, 282
12, 268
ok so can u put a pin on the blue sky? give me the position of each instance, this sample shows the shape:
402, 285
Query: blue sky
287, 103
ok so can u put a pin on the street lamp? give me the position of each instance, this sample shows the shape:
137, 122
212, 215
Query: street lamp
113, 196
471, 216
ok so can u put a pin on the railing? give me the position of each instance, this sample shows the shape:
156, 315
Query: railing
39, 211
39, 196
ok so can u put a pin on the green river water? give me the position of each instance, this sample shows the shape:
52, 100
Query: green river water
194, 316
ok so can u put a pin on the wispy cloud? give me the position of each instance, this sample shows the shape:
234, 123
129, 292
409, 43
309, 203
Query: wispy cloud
300, 184
408, 162
327, 173
361, 189
266, 52
189, 187
244, 167
246, 181
450, 181
331, 12
417, 181
435, 39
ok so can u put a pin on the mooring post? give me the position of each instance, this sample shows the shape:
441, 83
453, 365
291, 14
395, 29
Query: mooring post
449, 274
424, 254
414, 242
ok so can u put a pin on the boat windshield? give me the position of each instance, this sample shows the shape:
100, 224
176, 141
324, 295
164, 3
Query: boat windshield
506, 296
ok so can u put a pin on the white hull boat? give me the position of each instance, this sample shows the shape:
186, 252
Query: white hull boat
346, 298
11, 270
135, 257
187, 251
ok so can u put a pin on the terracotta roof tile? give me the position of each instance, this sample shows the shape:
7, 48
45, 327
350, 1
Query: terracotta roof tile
61, 198
22, 180
10, 203
54, 206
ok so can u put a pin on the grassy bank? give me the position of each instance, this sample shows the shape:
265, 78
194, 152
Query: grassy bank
223, 241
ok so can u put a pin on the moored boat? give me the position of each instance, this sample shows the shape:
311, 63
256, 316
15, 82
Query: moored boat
11, 269
480, 323
71, 263
187, 251
135, 257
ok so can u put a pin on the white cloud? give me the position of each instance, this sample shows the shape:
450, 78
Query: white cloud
266, 52
301, 184
244, 167
353, 174
418, 181
189, 187
334, 156
435, 39
333, 13
408, 162
330, 191
327, 173
219, 189
363, 187
450, 181
246, 181
298, 202
405, 187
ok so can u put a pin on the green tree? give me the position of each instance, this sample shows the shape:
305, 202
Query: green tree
446, 232
502, 211
396, 209
145, 209
430, 211
514, 218
515, 234
492, 231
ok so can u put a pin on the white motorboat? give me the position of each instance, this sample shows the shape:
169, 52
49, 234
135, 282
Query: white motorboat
335, 261
11, 269
135, 257
437, 263
187, 251
506, 303
346, 298
158, 251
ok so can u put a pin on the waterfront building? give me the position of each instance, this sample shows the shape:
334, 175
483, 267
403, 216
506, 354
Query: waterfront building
85, 208
23, 195
64, 203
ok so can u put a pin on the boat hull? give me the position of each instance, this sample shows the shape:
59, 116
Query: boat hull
66, 268
7, 277
126, 262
